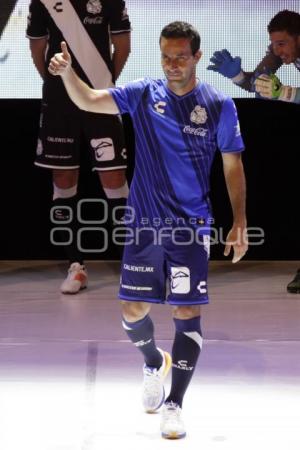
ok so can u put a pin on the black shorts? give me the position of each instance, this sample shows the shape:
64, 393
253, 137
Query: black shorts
63, 133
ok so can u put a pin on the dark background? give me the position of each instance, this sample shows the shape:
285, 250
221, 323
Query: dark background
271, 161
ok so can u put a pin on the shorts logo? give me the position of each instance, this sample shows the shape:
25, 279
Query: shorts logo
104, 149
202, 287
198, 115
180, 280
94, 7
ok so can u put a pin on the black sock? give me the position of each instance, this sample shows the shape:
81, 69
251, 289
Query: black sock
141, 333
186, 349
63, 210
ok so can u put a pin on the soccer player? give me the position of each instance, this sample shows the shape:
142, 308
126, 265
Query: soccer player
179, 123
92, 29
284, 31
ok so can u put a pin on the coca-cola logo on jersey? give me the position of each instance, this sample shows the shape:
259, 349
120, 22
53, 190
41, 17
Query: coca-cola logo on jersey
93, 20
94, 7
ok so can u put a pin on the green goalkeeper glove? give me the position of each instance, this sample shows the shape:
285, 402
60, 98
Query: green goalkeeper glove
269, 86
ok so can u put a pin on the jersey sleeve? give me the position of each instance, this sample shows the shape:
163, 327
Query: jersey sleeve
229, 137
119, 20
37, 26
129, 96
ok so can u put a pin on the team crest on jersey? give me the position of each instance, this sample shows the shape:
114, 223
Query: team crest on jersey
94, 6
198, 115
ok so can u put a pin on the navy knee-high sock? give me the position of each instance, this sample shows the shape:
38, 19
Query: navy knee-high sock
185, 352
141, 334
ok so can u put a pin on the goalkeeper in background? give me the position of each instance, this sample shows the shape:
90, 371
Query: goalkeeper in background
284, 31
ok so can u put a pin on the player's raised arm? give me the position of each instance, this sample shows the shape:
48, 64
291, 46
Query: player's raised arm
86, 98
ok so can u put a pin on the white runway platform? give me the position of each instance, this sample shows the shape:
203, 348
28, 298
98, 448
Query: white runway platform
70, 379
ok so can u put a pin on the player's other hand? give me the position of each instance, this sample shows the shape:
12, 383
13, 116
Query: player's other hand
225, 64
237, 240
60, 63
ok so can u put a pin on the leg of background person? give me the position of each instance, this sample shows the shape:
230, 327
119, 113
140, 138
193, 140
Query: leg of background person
65, 211
115, 187
294, 286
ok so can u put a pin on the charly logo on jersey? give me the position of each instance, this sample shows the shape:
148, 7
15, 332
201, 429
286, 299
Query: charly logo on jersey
180, 280
94, 7
198, 115
160, 107
104, 149
58, 7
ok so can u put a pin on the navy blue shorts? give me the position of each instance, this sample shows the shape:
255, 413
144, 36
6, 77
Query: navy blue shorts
172, 269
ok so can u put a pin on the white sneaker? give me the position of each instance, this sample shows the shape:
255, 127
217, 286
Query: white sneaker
172, 426
76, 279
153, 387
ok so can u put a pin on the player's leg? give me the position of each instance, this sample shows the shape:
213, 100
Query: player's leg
294, 286
64, 213
106, 141
143, 283
187, 267
186, 349
58, 149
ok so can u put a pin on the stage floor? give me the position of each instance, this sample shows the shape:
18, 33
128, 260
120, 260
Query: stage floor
70, 379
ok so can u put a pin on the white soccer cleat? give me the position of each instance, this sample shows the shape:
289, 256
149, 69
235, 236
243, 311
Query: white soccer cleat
153, 385
172, 426
76, 279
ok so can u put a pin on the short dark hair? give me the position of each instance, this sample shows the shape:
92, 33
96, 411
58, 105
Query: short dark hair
179, 29
285, 21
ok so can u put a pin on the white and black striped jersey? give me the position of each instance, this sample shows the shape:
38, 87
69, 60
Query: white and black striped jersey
86, 26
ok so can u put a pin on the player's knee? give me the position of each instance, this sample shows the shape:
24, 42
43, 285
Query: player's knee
186, 312
65, 179
114, 183
133, 311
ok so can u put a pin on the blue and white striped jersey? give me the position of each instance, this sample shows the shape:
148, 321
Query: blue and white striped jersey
176, 140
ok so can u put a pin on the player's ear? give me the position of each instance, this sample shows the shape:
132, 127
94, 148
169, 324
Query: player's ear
198, 56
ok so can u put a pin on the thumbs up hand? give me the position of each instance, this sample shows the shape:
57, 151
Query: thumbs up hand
60, 63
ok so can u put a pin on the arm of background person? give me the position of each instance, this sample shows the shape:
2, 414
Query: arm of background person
269, 64
86, 98
38, 49
121, 45
223, 63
